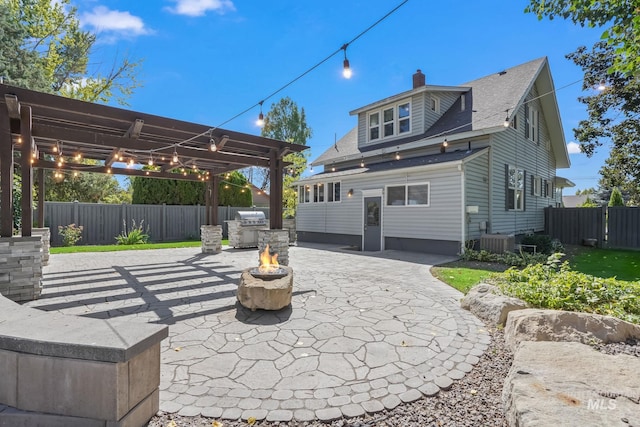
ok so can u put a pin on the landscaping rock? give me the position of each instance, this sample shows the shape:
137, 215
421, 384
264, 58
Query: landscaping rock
560, 383
557, 325
489, 304
254, 293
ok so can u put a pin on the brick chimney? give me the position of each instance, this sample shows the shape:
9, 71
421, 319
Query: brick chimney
419, 79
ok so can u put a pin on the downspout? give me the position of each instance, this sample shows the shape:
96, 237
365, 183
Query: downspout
463, 199
490, 192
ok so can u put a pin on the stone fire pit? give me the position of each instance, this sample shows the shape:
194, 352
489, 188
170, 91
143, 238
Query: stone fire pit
266, 294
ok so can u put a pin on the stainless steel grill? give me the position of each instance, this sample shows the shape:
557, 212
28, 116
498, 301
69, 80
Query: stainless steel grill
251, 218
243, 231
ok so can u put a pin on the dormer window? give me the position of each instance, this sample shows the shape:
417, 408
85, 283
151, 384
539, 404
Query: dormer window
462, 102
374, 126
389, 122
435, 104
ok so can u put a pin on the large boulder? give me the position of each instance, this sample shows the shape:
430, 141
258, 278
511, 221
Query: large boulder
558, 383
489, 304
556, 325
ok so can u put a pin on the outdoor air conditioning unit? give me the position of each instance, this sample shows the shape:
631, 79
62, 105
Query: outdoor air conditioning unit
498, 243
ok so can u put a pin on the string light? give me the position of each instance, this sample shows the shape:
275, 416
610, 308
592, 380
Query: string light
260, 121
445, 143
362, 162
174, 159
602, 86
397, 155
212, 144
75, 174
346, 70
150, 162
78, 156
506, 120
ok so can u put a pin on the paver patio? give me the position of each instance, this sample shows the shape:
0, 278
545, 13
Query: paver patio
364, 331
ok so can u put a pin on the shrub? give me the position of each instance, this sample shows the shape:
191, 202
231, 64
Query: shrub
70, 234
554, 285
508, 258
136, 235
544, 243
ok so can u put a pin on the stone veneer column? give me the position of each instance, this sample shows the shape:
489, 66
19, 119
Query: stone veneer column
45, 234
211, 236
290, 224
21, 267
278, 241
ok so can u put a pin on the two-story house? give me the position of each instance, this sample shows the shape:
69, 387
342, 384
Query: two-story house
429, 169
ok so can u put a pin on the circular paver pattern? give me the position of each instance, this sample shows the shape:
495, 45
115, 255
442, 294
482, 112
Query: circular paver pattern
364, 332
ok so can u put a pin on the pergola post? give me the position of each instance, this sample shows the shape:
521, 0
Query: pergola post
215, 190
27, 171
275, 190
41, 193
6, 178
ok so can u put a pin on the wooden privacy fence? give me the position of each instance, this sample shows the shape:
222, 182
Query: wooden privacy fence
102, 223
614, 227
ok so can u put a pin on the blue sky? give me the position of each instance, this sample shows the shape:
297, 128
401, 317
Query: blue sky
207, 60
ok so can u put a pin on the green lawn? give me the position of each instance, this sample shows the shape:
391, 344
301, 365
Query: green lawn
461, 278
112, 248
605, 263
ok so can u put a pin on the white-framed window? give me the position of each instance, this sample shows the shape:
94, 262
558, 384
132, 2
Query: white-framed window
532, 118
304, 193
318, 193
548, 189
536, 182
374, 126
333, 192
435, 104
417, 194
515, 188
389, 122
514, 122
404, 118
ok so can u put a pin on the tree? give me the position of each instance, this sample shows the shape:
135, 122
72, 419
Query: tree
86, 187
285, 122
586, 192
620, 20
613, 116
589, 203
232, 191
46, 36
616, 198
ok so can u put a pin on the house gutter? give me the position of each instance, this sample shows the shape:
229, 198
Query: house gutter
421, 143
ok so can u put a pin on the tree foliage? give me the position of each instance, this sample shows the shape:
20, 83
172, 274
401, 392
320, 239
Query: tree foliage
46, 36
616, 198
86, 187
232, 191
613, 116
285, 122
620, 20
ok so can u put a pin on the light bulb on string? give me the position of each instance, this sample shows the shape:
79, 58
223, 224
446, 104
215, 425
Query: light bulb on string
174, 159
506, 120
150, 162
397, 155
346, 68
361, 163
260, 121
212, 145
602, 86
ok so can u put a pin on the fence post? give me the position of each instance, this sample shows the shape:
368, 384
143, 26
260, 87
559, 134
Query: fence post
75, 212
163, 220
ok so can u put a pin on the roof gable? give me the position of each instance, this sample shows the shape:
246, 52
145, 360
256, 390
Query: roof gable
488, 101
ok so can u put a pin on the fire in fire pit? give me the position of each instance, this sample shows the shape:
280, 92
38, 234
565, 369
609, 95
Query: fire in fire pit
269, 267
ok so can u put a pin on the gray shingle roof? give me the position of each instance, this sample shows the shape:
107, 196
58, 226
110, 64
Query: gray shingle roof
431, 159
487, 101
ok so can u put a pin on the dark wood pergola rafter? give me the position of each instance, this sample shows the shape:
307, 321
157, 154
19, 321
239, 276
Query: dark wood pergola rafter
36, 124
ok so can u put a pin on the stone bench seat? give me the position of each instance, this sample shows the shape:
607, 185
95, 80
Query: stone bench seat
69, 370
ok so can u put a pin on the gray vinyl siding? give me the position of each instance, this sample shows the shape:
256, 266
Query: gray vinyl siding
511, 147
441, 220
446, 101
476, 175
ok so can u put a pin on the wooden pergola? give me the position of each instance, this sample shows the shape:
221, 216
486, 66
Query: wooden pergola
35, 124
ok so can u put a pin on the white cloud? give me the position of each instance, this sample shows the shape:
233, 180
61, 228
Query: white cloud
103, 19
201, 7
573, 148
